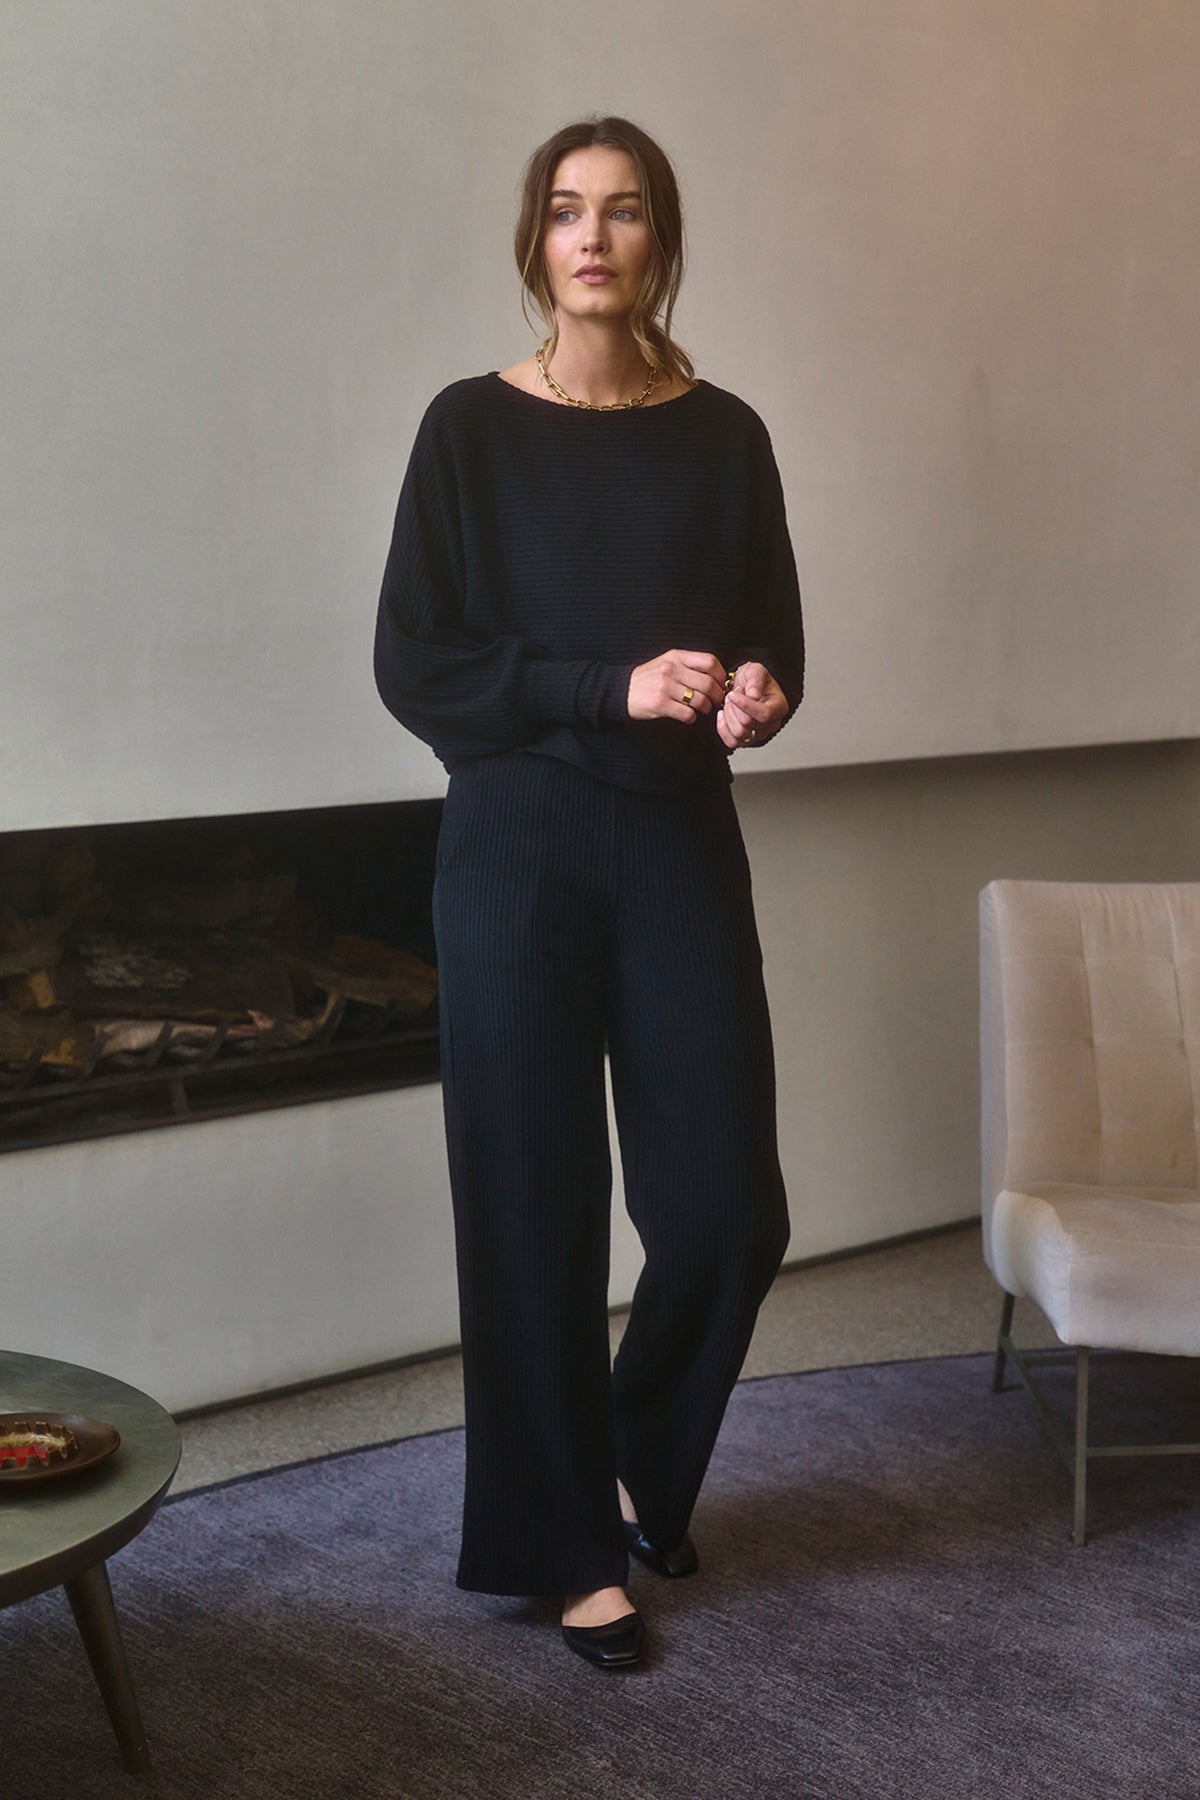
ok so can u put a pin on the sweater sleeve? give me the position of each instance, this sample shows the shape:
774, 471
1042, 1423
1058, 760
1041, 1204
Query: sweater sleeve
775, 629
464, 694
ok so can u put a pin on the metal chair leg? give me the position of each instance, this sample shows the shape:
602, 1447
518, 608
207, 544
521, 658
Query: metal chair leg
1006, 1314
1079, 1535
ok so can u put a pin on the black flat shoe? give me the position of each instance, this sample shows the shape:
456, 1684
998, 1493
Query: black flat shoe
611, 1646
680, 1561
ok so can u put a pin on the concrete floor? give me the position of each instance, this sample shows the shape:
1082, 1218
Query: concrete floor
929, 1297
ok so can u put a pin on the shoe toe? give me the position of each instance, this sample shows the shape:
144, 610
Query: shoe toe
611, 1646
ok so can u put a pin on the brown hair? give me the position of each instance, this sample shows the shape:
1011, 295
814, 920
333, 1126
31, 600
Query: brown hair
650, 317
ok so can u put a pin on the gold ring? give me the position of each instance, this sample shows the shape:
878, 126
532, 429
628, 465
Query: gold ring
752, 735
689, 694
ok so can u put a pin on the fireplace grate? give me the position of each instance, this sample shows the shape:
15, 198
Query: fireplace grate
356, 1049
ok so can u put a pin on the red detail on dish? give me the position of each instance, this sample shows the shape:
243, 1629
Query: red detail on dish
20, 1454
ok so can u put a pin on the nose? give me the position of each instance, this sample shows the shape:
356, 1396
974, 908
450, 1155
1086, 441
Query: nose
595, 239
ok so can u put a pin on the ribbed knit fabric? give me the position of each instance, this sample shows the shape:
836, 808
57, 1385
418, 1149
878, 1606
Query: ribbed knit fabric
542, 552
569, 911
592, 889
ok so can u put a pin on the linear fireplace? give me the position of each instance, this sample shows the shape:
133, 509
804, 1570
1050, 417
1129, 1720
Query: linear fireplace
162, 971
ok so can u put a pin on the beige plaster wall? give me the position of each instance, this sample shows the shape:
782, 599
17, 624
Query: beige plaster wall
866, 883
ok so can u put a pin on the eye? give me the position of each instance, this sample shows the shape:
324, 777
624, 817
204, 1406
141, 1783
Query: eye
623, 212
563, 216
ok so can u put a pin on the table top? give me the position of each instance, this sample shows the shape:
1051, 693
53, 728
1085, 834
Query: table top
53, 1530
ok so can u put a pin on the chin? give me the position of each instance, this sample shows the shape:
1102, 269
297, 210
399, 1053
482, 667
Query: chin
605, 303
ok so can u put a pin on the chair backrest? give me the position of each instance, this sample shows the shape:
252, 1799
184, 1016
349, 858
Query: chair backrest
1089, 1034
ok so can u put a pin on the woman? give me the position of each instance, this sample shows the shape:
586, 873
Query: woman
589, 603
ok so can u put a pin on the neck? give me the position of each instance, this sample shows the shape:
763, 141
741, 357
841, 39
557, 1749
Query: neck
598, 360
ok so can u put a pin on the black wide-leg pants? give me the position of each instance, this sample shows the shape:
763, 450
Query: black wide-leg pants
571, 914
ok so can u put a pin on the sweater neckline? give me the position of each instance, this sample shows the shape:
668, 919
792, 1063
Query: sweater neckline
617, 413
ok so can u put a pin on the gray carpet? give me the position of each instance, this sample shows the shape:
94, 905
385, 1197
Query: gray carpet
888, 1606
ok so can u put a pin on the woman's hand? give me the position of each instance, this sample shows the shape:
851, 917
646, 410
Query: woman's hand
754, 707
657, 687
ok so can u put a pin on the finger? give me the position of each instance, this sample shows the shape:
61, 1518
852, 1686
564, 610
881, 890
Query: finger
744, 739
732, 733
740, 727
671, 692
700, 682
754, 677
700, 701
703, 662
759, 712
724, 731
753, 685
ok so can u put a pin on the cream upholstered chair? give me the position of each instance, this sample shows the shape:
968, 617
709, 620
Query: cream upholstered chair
1090, 1045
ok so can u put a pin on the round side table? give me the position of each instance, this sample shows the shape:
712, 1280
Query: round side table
61, 1531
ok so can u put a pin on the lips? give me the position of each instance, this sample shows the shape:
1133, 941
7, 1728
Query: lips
595, 274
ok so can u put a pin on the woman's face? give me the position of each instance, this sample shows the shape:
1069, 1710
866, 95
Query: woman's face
596, 240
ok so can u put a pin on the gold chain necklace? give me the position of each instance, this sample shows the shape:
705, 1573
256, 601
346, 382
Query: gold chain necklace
594, 405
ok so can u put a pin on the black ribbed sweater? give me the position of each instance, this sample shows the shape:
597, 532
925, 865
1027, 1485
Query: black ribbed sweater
541, 552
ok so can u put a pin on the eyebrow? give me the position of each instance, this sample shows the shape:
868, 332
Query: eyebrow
570, 194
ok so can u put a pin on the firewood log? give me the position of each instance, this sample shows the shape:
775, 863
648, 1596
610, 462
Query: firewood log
57, 1037
27, 943
368, 970
200, 976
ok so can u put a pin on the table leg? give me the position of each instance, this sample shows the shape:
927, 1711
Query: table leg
96, 1616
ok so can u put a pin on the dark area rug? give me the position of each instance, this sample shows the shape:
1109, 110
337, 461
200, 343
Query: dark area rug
887, 1605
